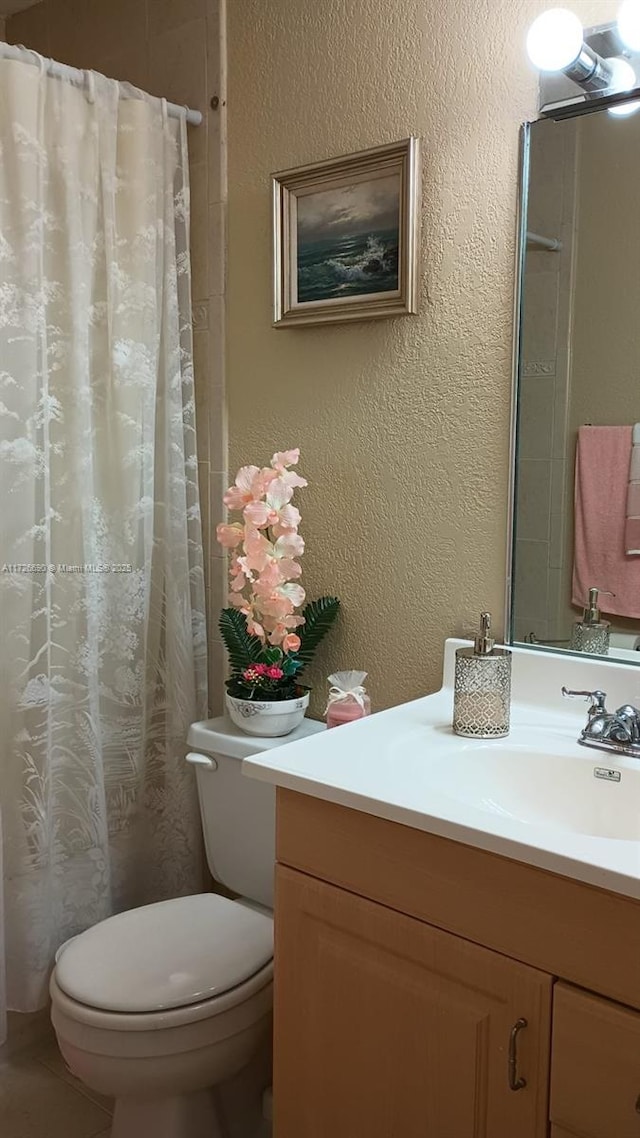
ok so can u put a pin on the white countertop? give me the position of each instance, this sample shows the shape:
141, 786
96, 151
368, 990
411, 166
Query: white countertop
390, 765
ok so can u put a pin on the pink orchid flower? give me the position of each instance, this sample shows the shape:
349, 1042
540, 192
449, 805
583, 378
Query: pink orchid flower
278, 631
281, 460
258, 549
237, 574
263, 566
278, 602
275, 511
230, 536
251, 483
283, 550
291, 642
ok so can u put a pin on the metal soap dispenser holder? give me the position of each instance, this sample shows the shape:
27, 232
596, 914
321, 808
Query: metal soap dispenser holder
482, 687
591, 634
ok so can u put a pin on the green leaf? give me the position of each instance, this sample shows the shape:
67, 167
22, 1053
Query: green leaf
318, 617
271, 655
243, 649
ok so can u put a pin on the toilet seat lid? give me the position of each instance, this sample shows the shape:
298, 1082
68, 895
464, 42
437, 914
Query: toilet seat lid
166, 955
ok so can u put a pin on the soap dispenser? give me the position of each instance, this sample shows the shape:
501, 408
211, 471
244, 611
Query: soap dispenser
591, 634
482, 687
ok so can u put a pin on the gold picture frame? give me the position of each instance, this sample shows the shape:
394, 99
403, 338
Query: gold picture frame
345, 237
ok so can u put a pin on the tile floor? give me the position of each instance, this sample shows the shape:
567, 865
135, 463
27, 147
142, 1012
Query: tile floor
40, 1098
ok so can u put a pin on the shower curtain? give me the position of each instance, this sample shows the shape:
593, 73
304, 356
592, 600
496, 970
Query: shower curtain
102, 627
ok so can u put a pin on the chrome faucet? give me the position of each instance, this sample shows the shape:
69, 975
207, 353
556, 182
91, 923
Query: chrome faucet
608, 731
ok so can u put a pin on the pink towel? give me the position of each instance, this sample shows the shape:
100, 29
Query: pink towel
602, 475
632, 527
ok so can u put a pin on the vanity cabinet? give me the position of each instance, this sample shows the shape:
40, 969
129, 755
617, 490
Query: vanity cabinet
595, 1071
386, 1026
405, 965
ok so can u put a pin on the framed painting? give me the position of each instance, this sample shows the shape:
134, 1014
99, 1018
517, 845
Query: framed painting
345, 237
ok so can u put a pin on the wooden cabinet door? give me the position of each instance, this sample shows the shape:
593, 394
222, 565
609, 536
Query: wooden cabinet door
388, 1028
595, 1066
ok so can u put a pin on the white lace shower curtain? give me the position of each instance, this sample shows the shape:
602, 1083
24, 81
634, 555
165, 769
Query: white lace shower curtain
102, 628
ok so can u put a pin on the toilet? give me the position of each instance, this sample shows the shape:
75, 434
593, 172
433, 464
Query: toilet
164, 1006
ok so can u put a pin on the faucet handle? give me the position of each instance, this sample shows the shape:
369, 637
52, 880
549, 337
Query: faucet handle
597, 699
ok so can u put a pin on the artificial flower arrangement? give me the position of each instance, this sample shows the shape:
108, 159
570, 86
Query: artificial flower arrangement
269, 641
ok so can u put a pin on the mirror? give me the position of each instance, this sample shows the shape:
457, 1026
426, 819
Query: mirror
576, 522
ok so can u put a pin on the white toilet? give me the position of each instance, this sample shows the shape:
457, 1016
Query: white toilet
157, 1006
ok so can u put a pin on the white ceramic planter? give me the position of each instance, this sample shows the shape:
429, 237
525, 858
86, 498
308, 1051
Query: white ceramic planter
268, 718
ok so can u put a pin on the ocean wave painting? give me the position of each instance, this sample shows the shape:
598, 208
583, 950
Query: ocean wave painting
348, 239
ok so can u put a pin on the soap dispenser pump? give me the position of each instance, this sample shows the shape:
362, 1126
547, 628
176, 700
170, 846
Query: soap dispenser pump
482, 687
591, 634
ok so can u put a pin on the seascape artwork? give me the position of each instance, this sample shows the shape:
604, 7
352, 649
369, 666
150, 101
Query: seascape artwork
348, 240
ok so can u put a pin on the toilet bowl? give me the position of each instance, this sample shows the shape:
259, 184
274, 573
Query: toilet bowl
162, 1006
158, 1006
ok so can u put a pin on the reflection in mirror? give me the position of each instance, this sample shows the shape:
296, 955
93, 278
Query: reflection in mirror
577, 498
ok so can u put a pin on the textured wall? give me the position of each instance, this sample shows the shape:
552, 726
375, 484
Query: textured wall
403, 423
173, 48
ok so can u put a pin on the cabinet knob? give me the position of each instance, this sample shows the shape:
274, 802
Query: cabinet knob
515, 1083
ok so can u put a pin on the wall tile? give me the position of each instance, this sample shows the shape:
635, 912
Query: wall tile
218, 248
116, 25
167, 14
130, 65
217, 154
30, 28
540, 317
202, 383
201, 238
215, 74
71, 36
532, 579
217, 426
558, 483
198, 142
536, 418
178, 64
217, 676
219, 483
556, 541
200, 315
217, 335
218, 574
534, 500
204, 483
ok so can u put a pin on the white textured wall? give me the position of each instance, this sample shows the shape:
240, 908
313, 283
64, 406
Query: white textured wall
403, 423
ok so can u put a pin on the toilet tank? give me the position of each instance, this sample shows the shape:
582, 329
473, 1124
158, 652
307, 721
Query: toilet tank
238, 813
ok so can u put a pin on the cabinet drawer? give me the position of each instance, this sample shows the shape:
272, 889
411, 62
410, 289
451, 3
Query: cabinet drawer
595, 1068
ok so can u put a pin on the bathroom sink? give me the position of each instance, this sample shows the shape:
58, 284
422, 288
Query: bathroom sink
557, 791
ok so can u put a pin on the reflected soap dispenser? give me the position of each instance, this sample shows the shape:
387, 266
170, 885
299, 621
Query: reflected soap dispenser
591, 634
482, 687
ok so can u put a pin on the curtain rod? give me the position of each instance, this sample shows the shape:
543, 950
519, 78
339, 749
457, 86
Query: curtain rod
74, 75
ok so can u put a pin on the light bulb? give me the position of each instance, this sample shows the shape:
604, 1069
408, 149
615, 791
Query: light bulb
554, 40
629, 24
623, 110
623, 78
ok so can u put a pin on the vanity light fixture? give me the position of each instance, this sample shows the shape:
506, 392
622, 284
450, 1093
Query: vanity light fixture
555, 42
